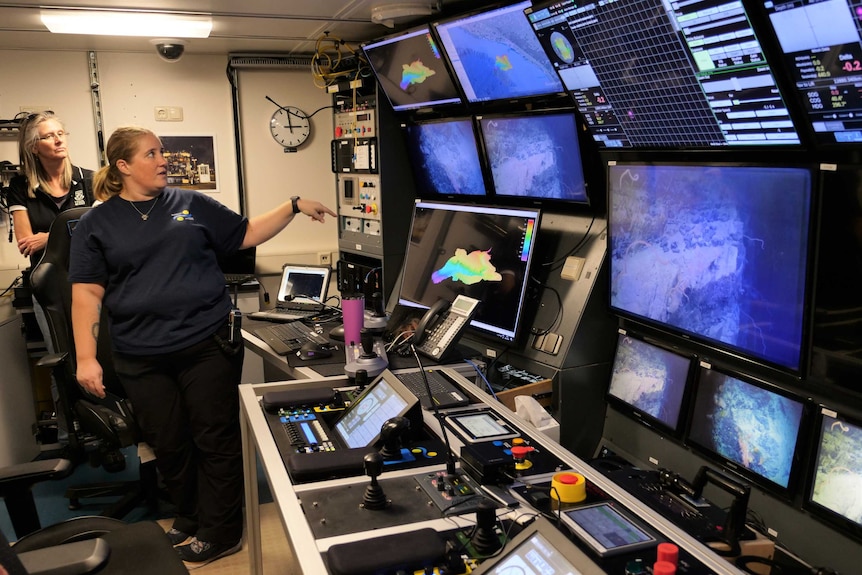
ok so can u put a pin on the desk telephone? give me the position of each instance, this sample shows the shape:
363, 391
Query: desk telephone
442, 325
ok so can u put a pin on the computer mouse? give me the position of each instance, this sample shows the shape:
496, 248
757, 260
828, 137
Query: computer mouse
313, 350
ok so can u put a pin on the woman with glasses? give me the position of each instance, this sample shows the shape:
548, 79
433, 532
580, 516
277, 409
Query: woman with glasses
48, 185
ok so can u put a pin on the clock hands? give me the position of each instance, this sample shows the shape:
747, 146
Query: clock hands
288, 112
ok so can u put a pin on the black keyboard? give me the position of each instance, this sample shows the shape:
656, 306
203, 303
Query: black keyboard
238, 279
443, 391
286, 338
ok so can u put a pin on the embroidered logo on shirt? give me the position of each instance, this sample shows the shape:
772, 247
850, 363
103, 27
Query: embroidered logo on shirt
78, 198
183, 216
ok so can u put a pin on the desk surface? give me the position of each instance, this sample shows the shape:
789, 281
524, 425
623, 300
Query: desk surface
258, 441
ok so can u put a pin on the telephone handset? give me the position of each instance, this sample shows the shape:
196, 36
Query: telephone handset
441, 326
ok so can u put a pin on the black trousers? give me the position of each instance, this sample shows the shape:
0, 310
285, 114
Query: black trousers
187, 406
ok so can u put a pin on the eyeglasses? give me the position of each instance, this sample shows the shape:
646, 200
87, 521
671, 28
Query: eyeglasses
59, 135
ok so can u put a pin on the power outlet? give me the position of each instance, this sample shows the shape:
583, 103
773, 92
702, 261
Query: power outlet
324, 258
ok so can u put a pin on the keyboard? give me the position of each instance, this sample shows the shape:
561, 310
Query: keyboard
238, 279
286, 338
444, 393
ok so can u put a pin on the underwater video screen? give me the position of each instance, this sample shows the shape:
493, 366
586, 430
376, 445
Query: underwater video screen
719, 252
838, 469
751, 426
445, 158
650, 379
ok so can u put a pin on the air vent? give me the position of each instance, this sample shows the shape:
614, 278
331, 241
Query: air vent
297, 61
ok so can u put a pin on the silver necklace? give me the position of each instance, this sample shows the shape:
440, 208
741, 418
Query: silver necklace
145, 216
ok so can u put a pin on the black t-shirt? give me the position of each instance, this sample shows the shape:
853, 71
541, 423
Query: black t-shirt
164, 290
42, 209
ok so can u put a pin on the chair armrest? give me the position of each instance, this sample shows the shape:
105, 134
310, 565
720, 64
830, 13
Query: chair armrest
67, 559
33, 471
52, 359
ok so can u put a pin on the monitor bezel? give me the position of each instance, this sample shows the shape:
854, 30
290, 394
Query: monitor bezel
638, 414
446, 104
475, 326
818, 510
585, 157
795, 476
533, 99
714, 348
451, 196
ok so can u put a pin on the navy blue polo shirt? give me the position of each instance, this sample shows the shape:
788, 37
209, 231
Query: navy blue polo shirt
164, 290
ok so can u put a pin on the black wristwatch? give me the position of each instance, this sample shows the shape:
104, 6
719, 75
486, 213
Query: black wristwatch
294, 205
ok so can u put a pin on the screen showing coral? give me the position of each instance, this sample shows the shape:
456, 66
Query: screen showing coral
411, 70
495, 55
649, 382
752, 426
482, 252
444, 157
836, 484
719, 252
535, 156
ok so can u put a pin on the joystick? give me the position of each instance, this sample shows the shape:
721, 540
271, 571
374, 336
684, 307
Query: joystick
485, 540
367, 356
374, 498
392, 434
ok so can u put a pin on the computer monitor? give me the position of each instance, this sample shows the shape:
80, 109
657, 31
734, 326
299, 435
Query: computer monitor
752, 427
535, 156
496, 56
822, 47
715, 252
650, 382
836, 472
665, 74
483, 252
444, 156
411, 71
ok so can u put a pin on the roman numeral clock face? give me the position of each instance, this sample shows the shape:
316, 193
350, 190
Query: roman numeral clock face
290, 127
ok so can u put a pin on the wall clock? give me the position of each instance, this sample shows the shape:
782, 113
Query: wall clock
290, 127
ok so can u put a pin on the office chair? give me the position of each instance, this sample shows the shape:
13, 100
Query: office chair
92, 545
97, 428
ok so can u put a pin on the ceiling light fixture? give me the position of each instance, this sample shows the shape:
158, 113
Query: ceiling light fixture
388, 14
127, 23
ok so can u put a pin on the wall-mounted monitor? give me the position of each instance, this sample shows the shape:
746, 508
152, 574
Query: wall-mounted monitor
715, 252
649, 383
822, 47
444, 157
836, 475
535, 156
665, 74
411, 71
483, 252
752, 427
495, 55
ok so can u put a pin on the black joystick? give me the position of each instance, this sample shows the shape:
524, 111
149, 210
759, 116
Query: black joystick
374, 498
392, 434
367, 340
361, 379
485, 540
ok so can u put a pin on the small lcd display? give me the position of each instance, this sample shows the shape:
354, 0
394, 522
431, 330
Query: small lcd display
411, 71
649, 379
444, 157
753, 426
360, 425
837, 476
607, 529
495, 55
535, 156
483, 426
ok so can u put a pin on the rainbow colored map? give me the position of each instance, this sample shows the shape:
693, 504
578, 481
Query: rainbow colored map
414, 73
468, 268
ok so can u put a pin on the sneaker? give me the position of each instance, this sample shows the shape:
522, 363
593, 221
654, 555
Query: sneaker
198, 553
177, 537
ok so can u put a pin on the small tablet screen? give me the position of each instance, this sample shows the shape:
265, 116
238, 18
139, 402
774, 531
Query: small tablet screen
481, 426
607, 529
